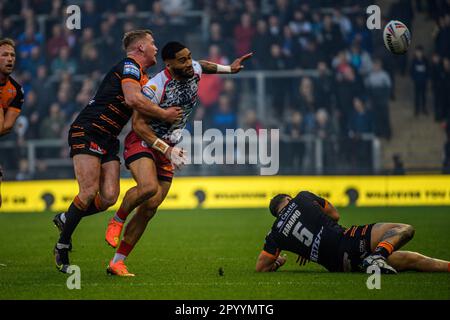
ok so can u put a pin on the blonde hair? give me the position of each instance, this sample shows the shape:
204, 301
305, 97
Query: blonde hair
131, 36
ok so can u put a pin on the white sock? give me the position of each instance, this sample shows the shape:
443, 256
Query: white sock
119, 257
62, 246
62, 216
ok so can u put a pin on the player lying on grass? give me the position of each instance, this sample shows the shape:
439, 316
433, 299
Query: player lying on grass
150, 152
307, 225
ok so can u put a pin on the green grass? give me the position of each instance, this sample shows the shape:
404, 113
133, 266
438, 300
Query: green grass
182, 251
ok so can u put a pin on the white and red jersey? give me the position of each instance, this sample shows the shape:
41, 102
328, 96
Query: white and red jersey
165, 91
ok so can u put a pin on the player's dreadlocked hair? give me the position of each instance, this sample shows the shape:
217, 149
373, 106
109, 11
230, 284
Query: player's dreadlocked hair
275, 203
170, 50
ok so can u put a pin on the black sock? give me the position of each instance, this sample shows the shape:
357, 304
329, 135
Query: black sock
73, 217
92, 209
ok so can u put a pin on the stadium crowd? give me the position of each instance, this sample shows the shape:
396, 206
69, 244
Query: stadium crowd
60, 68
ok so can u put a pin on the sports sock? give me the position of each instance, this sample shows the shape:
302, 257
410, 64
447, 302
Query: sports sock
384, 249
123, 251
121, 215
94, 207
73, 217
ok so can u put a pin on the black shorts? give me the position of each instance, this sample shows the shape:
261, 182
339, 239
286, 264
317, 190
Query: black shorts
92, 142
354, 247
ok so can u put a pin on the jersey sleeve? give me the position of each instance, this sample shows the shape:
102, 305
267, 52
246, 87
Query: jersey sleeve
271, 248
154, 89
130, 71
17, 102
312, 197
197, 68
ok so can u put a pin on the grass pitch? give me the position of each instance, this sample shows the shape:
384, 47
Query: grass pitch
180, 255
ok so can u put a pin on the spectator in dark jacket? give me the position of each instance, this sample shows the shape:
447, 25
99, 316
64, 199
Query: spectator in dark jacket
419, 74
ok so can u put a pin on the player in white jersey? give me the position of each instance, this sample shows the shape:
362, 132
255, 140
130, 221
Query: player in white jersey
150, 149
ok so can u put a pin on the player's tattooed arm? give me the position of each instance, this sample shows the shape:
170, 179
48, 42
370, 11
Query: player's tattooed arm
208, 67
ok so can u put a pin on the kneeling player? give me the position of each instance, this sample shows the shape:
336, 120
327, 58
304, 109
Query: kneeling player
307, 225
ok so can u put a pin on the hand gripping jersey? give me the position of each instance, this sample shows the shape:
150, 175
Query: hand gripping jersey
304, 229
11, 95
107, 112
165, 91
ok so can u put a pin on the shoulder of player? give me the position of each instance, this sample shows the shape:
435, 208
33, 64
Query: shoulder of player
15, 84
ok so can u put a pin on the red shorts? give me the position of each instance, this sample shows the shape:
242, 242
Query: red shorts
136, 148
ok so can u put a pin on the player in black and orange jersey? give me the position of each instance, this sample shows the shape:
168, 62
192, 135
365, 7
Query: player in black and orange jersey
308, 226
93, 136
11, 93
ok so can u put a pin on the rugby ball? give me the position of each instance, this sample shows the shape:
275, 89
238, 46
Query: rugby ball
396, 37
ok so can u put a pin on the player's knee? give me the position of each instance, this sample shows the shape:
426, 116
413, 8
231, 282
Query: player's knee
109, 200
409, 231
87, 195
148, 190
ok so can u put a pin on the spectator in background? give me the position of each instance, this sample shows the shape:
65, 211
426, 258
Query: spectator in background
31, 63
53, 124
378, 85
261, 43
211, 84
446, 90
436, 77
216, 38
343, 22
66, 105
324, 87
310, 57
361, 34
277, 86
56, 42
331, 38
23, 173
294, 149
91, 62
347, 87
275, 29
290, 47
442, 45
251, 120
359, 59
399, 168
105, 43
446, 163
301, 28
243, 35
224, 116
42, 87
34, 114
360, 123
91, 18
419, 73
63, 63
27, 41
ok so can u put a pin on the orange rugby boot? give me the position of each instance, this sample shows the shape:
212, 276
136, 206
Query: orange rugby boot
113, 231
118, 269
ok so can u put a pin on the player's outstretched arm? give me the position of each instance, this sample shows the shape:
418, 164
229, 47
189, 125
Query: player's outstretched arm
211, 67
268, 263
7, 121
141, 127
136, 100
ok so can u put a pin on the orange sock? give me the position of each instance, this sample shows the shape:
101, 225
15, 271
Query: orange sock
384, 248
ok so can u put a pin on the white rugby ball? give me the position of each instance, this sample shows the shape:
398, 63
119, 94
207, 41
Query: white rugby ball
397, 37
